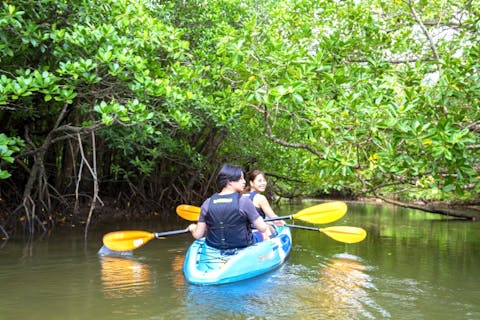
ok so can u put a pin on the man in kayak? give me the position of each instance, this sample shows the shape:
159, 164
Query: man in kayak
225, 217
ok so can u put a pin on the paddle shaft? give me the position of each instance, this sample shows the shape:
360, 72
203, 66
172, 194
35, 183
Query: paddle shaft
302, 227
280, 218
169, 233
193, 215
319, 214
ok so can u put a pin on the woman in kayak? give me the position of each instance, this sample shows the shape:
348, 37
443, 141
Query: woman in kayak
225, 217
257, 185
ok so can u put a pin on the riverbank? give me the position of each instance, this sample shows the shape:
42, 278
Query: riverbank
112, 212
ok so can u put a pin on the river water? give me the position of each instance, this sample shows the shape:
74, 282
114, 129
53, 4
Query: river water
412, 265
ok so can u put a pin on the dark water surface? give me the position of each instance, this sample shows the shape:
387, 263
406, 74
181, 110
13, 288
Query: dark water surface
412, 265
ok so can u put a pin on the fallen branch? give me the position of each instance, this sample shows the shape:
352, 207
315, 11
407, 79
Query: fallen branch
433, 209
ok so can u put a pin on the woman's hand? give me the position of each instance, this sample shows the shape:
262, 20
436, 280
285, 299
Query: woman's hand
280, 223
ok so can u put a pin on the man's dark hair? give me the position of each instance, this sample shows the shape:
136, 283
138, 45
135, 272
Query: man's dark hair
229, 172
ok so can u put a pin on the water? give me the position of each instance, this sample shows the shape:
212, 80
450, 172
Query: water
412, 265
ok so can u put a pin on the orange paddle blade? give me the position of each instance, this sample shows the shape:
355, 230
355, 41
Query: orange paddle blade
188, 212
345, 234
126, 240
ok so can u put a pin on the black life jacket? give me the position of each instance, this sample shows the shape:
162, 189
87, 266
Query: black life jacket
259, 210
227, 228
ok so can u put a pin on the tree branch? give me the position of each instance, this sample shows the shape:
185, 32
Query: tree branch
93, 172
284, 143
424, 30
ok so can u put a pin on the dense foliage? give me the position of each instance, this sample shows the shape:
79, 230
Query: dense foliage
140, 103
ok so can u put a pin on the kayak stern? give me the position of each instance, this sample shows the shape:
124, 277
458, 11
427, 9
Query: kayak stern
206, 265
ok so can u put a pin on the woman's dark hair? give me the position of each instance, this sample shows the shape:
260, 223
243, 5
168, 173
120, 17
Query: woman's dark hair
252, 177
254, 174
229, 172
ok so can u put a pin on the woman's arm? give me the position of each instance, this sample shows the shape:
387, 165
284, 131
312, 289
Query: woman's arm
262, 226
249, 209
265, 205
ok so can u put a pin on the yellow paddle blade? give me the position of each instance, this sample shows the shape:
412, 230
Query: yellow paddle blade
126, 240
322, 213
345, 234
188, 212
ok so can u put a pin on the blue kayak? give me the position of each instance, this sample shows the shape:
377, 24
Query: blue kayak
207, 265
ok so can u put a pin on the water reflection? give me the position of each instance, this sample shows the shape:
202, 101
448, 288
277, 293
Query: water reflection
178, 280
248, 298
342, 290
122, 277
345, 284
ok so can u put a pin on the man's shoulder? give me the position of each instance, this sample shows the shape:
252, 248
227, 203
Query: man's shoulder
244, 199
206, 203
245, 202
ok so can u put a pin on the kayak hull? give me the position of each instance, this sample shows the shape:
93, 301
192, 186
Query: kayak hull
209, 266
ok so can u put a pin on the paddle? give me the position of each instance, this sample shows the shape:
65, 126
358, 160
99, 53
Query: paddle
342, 234
319, 214
133, 239
188, 212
